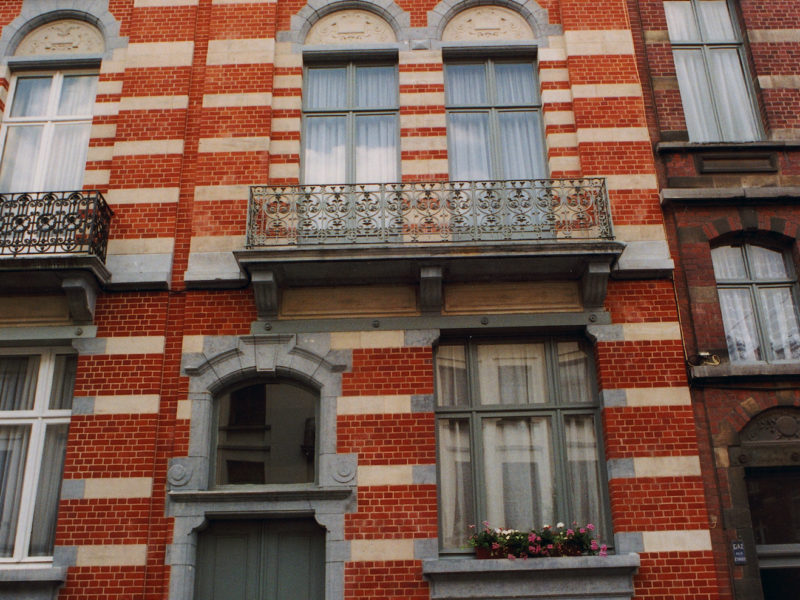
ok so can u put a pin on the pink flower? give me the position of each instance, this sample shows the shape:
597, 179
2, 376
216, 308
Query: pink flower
511, 557
603, 550
590, 527
582, 530
594, 545
570, 532
533, 538
495, 546
549, 546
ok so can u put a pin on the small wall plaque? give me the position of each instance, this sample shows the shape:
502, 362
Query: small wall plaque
739, 557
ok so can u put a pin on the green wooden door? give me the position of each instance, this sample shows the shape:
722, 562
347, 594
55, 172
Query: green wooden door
267, 559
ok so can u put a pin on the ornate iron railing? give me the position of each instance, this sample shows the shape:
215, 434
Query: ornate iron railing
388, 213
54, 223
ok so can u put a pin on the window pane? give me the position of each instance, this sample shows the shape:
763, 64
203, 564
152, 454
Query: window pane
13, 449
731, 96
20, 155
324, 161
466, 84
583, 470
455, 482
77, 95
451, 376
326, 88
266, 434
573, 373
521, 145
63, 382
43, 532
18, 382
376, 148
728, 263
518, 471
766, 263
376, 87
780, 322
774, 496
515, 83
696, 95
716, 21
31, 96
780, 583
680, 22
469, 146
740, 326
67, 158
512, 374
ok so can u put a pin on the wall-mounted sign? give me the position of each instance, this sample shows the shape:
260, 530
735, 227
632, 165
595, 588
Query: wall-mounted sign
739, 557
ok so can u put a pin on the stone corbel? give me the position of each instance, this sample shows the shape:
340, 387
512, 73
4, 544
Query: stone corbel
265, 286
430, 289
594, 284
81, 291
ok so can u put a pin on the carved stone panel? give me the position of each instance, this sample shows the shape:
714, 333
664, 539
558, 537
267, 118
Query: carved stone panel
68, 36
777, 425
487, 23
350, 27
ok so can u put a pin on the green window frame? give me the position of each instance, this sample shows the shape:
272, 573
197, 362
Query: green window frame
714, 80
495, 128
519, 436
351, 124
758, 294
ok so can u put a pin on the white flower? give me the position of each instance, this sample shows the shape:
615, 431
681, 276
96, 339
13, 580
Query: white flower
559, 524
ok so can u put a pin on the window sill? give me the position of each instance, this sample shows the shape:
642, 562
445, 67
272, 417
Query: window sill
662, 147
749, 370
263, 494
534, 579
30, 582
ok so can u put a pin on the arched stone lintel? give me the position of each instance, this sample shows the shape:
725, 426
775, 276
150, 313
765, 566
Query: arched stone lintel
301, 22
536, 16
36, 13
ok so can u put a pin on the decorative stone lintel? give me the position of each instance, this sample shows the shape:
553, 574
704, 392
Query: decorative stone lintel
594, 284
589, 577
263, 495
430, 289
265, 286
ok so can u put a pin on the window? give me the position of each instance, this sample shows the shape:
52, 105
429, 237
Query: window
517, 427
45, 131
350, 124
266, 434
709, 59
494, 121
35, 404
758, 297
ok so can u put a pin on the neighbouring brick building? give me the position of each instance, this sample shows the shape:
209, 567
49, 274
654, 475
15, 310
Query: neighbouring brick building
722, 89
348, 284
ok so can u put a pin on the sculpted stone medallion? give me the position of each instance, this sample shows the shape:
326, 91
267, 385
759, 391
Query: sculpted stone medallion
68, 36
484, 23
350, 27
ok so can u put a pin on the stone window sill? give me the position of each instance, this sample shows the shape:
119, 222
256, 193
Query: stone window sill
731, 371
706, 146
586, 577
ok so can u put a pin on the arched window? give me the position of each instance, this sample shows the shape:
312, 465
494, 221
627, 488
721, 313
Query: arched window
266, 433
757, 289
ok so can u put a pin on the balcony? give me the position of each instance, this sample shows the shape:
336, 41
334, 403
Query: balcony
55, 241
427, 232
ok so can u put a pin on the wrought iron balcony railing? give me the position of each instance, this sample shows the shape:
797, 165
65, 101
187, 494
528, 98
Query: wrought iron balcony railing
53, 223
391, 213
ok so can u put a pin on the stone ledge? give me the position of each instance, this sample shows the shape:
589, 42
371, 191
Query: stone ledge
729, 370
662, 147
42, 575
568, 578
728, 194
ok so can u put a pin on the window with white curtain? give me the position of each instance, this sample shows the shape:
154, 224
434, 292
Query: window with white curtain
717, 97
350, 124
757, 291
518, 437
35, 405
45, 132
494, 121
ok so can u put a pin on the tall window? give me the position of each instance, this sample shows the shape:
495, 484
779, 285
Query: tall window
35, 404
351, 126
758, 296
517, 427
494, 121
709, 59
266, 434
45, 132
